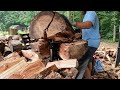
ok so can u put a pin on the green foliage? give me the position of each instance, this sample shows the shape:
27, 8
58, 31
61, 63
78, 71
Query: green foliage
107, 21
8, 18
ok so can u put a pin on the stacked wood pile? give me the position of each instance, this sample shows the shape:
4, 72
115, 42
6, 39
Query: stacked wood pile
107, 57
17, 63
15, 66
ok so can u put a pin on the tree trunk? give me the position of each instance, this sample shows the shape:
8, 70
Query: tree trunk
114, 34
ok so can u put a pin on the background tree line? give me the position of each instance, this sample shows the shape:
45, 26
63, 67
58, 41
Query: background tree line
109, 20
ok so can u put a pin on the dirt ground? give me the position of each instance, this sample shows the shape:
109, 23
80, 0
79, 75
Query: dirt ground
108, 45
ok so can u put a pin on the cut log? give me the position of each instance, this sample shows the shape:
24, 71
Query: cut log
59, 26
108, 57
7, 51
28, 71
2, 47
101, 54
30, 54
78, 36
74, 50
54, 75
42, 46
112, 75
114, 54
16, 37
10, 71
15, 45
6, 64
64, 63
1, 57
70, 73
41, 74
12, 56
4, 38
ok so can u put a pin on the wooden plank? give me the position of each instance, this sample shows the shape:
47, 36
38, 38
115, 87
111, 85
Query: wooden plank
64, 63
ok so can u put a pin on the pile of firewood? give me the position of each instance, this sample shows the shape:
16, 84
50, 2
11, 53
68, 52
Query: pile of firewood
18, 63
16, 67
107, 57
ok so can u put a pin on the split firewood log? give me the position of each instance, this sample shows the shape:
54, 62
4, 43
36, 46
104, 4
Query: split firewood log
73, 50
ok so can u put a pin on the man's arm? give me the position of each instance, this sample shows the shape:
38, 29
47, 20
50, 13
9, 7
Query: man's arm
83, 25
89, 21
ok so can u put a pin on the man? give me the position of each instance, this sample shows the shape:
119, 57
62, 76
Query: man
90, 32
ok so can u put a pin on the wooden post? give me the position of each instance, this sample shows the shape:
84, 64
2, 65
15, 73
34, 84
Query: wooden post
118, 51
114, 34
